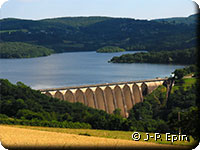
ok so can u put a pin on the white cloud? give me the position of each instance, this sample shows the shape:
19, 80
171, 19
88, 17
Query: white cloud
2, 1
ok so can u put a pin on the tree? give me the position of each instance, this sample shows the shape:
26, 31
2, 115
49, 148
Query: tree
190, 121
179, 73
117, 112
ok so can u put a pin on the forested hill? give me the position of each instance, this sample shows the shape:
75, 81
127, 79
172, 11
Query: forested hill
22, 50
178, 20
185, 57
92, 33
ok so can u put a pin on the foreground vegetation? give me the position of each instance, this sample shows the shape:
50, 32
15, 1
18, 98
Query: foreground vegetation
110, 49
187, 56
123, 135
18, 138
23, 106
22, 50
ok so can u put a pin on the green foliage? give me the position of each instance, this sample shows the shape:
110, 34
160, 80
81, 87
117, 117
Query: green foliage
29, 115
190, 121
3, 116
187, 56
110, 49
117, 111
22, 50
142, 111
45, 123
180, 73
182, 98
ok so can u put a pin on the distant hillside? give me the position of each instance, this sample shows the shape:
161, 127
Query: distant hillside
110, 49
77, 21
91, 33
178, 20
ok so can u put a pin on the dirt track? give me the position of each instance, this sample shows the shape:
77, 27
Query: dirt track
13, 137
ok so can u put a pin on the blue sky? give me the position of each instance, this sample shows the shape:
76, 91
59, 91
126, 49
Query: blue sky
139, 9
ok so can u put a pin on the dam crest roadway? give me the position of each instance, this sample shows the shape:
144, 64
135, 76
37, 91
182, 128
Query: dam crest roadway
108, 96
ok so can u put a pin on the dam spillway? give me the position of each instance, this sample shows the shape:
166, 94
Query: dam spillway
108, 96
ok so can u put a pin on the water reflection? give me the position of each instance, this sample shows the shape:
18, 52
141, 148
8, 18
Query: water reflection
72, 69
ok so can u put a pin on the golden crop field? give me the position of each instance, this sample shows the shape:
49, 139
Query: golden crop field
18, 137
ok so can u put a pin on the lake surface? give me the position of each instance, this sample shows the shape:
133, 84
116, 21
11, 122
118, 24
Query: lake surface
78, 68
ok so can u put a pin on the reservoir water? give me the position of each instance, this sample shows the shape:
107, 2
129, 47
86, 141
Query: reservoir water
78, 68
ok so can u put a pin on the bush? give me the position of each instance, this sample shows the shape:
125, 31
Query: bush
3, 116
29, 115
44, 123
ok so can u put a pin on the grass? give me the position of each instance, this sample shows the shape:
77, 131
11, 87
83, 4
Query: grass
43, 137
125, 135
187, 82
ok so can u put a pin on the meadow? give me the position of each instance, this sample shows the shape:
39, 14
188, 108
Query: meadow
186, 82
26, 136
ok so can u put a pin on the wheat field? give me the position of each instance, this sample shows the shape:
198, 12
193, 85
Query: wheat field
15, 137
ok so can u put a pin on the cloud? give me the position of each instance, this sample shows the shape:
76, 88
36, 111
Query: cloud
2, 2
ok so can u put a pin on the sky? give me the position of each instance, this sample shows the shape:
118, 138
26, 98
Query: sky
138, 9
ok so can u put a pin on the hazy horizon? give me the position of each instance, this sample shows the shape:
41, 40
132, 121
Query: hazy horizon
91, 16
137, 9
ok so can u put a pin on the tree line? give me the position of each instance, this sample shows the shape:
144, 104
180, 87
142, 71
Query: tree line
186, 56
110, 49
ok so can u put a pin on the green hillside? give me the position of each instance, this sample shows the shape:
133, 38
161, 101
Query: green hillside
22, 50
178, 20
91, 33
76, 21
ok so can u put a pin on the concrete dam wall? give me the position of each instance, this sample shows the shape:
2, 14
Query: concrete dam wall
107, 97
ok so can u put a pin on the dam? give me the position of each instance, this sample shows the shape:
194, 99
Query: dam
108, 96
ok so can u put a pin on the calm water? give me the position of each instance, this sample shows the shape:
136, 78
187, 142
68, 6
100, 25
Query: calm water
82, 68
